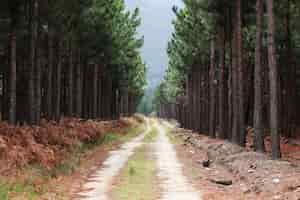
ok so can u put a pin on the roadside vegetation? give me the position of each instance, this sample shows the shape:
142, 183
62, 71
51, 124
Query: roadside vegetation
35, 180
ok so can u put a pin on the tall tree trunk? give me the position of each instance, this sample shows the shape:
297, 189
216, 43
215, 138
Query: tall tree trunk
229, 97
192, 96
222, 106
198, 99
95, 90
84, 91
239, 35
99, 110
33, 29
38, 73
258, 104
274, 86
212, 73
229, 75
13, 68
57, 89
109, 99
70, 82
78, 101
49, 73
291, 75
126, 101
190, 101
114, 98
235, 99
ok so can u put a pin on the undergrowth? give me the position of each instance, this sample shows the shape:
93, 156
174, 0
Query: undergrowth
36, 176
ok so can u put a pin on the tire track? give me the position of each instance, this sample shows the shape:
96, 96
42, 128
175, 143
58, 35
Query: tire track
97, 187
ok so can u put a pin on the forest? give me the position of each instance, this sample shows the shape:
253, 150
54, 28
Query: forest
77, 58
234, 66
81, 117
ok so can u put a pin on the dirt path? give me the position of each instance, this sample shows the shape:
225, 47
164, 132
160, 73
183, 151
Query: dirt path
175, 185
97, 187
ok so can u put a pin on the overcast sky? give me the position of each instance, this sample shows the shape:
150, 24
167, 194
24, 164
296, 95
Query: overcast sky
156, 27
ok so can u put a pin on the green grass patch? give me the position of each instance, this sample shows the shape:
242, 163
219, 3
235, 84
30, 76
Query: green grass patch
4, 189
132, 132
9, 191
70, 165
151, 137
174, 139
138, 180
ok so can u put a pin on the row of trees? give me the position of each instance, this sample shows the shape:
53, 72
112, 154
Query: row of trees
233, 64
75, 58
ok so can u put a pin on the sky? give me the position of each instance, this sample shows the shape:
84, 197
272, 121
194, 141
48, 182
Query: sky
157, 16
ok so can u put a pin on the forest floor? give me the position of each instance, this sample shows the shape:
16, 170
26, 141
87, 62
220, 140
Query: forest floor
138, 159
225, 171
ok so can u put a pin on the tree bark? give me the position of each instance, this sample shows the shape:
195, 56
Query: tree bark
49, 73
222, 106
258, 104
235, 100
57, 89
33, 29
38, 73
212, 73
198, 100
95, 90
78, 101
70, 82
274, 86
190, 102
241, 121
291, 87
193, 100
99, 110
13, 69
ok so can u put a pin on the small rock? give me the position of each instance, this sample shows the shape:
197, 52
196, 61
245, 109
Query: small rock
246, 190
206, 163
293, 187
277, 197
276, 180
187, 139
222, 182
252, 166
